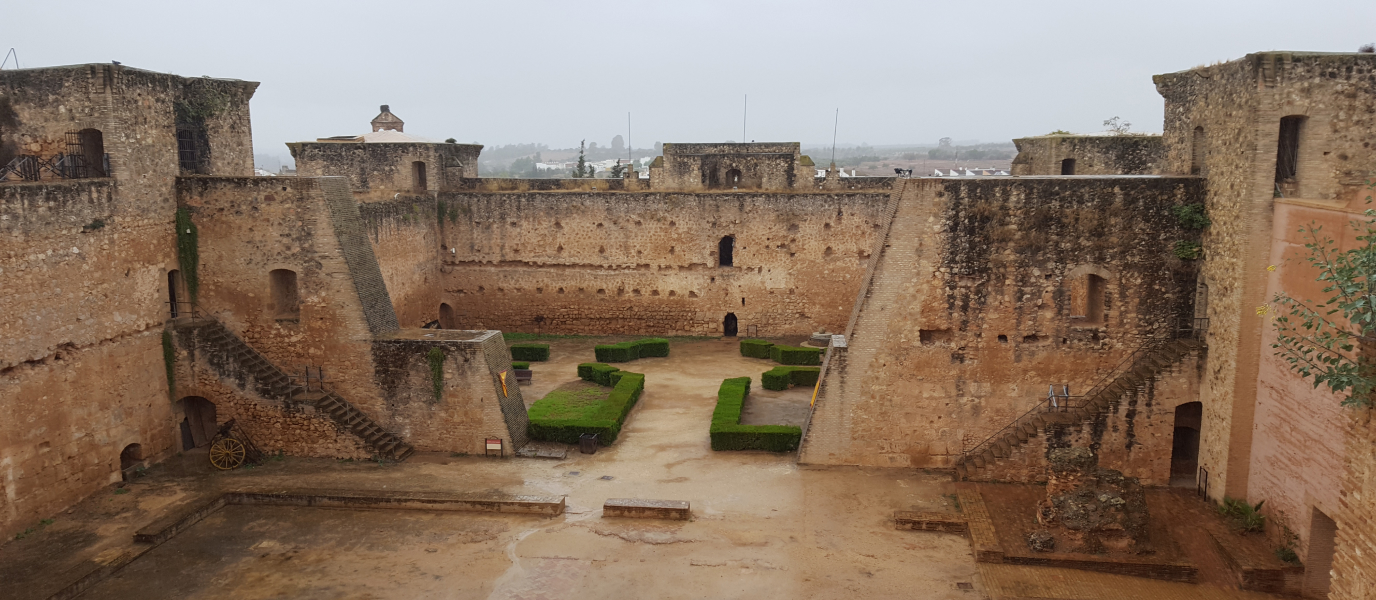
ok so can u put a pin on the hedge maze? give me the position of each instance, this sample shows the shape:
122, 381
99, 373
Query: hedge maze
562, 416
727, 432
629, 351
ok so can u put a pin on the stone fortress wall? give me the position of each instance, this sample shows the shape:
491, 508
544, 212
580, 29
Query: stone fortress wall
1101, 154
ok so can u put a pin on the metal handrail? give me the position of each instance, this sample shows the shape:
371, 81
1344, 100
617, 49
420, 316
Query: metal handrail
192, 310
1053, 402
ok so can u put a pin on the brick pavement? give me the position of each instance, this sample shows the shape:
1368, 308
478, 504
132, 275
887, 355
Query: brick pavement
1017, 582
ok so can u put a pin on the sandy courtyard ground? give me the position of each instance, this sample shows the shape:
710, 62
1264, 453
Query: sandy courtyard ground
763, 527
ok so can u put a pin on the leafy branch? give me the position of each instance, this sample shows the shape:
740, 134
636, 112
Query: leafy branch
1333, 341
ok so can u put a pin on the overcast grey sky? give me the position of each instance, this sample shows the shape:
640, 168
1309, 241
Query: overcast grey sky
556, 72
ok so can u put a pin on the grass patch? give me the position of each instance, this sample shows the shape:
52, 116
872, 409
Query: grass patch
727, 433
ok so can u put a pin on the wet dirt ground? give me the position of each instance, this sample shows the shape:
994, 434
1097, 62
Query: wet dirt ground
763, 527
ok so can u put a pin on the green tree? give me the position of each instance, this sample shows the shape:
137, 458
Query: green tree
618, 170
1333, 342
583, 169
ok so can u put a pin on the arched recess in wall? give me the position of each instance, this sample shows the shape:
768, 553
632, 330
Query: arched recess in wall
130, 456
733, 178
446, 316
1068, 166
728, 325
286, 298
726, 249
1197, 148
1189, 418
199, 422
1089, 298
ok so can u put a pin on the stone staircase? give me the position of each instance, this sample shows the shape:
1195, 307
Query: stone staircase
234, 358
1143, 365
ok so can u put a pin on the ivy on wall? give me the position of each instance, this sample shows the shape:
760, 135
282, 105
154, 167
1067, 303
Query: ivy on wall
199, 103
436, 358
169, 359
188, 252
1192, 217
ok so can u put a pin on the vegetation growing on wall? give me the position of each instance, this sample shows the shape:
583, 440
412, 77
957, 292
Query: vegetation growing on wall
1192, 217
1330, 341
436, 358
200, 102
169, 359
188, 252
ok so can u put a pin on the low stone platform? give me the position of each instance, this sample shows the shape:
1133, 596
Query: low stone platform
675, 510
930, 521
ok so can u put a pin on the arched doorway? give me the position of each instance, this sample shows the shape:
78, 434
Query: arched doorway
130, 457
1189, 417
198, 423
446, 316
726, 248
733, 178
728, 325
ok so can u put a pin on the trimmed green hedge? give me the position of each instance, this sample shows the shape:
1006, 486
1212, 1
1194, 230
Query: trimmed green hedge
615, 377
597, 373
629, 351
728, 434
530, 352
779, 378
559, 421
517, 364
794, 355
756, 348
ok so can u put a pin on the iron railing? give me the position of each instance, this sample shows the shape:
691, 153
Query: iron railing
27, 167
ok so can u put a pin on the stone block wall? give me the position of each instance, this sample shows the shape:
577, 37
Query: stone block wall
759, 166
647, 263
405, 238
971, 310
376, 171
1129, 154
1354, 561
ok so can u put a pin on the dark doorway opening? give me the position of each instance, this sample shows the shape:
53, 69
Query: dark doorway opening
131, 456
1318, 563
418, 183
733, 178
200, 420
1095, 290
728, 325
725, 249
1068, 166
174, 280
446, 316
1185, 444
1288, 151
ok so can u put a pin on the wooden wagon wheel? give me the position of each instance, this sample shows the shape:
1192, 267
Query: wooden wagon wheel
226, 453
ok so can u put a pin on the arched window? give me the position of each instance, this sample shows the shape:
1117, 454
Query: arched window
728, 325
1068, 166
1197, 152
446, 316
286, 299
418, 184
725, 248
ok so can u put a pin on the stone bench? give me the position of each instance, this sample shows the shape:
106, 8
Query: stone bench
930, 521
676, 510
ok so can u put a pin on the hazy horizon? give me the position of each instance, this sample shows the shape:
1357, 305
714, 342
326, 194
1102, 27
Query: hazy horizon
557, 73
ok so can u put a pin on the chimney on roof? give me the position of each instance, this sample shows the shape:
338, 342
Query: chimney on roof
387, 120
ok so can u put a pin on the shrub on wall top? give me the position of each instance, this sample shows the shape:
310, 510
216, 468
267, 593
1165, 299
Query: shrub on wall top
794, 355
756, 348
530, 352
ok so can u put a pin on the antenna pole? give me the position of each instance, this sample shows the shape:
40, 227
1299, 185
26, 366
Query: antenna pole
630, 156
745, 113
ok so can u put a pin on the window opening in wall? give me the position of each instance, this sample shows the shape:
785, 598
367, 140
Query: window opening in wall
1318, 563
130, 457
725, 249
1095, 290
728, 325
1068, 166
418, 184
1197, 152
1185, 444
85, 155
192, 148
446, 316
733, 177
286, 300
1288, 154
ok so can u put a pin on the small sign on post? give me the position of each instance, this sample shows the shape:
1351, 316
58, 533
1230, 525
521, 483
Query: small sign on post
495, 444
